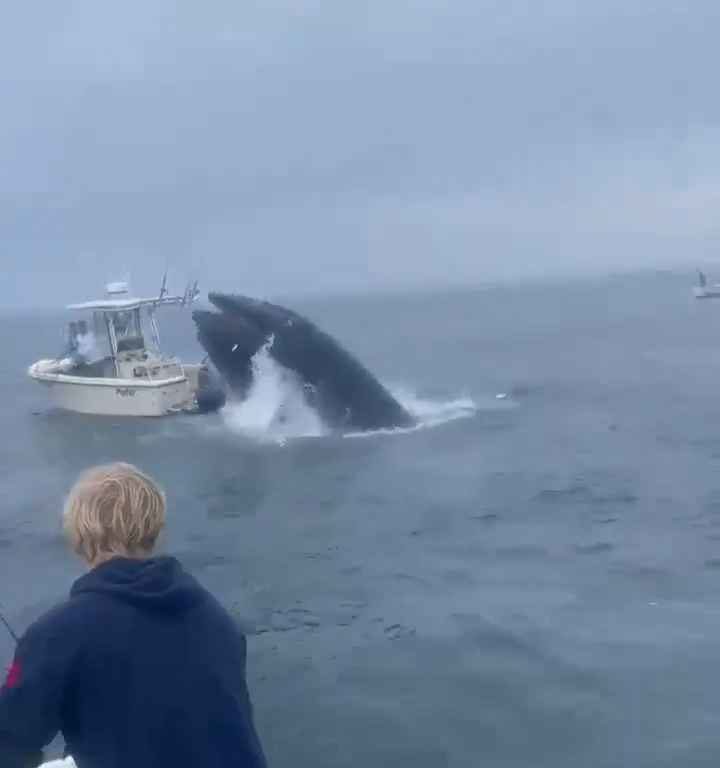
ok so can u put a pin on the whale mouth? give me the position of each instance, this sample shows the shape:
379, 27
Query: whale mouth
262, 315
230, 340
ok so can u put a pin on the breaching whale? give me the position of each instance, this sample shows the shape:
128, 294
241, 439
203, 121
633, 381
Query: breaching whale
345, 394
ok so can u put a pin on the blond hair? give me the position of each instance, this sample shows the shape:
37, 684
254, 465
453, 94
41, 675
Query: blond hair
114, 510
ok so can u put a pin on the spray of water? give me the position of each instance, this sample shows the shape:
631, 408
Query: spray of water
428, 412
431, 412
275, 408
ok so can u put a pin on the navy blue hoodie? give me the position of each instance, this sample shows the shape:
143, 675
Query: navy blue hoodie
140, 668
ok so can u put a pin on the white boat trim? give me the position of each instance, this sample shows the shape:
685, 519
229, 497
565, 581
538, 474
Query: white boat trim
99, 382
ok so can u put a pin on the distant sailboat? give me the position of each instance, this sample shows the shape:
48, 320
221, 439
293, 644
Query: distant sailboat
702, 291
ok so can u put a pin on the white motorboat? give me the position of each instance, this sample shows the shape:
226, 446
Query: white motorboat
109, 369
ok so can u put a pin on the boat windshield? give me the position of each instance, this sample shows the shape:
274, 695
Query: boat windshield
134, 330
128, 330
88, 341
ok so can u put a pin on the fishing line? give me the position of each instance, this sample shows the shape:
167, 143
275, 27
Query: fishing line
9, 628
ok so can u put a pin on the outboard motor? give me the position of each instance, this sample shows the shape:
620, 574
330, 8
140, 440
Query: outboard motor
210, 395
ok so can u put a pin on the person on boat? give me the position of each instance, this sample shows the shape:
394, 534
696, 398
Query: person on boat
121, 321
71, 347
85, 342
141, 666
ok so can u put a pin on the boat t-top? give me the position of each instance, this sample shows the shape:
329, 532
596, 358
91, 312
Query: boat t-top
110, 368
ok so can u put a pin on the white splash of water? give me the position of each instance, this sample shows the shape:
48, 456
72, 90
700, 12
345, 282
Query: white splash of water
275, 409
431, 412
428, 412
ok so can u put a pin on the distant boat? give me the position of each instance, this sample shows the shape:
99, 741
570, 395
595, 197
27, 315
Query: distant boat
704, 291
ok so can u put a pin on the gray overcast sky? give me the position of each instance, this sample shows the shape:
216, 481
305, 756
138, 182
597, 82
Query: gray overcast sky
277, 146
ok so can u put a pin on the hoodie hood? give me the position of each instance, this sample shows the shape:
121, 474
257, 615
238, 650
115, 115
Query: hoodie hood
158, 583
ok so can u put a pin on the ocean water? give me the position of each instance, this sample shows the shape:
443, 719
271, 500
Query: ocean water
531, 580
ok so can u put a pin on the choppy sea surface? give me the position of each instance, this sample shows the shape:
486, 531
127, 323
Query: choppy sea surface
527, 580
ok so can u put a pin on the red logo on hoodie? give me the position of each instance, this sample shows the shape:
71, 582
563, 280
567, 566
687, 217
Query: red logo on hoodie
13, 675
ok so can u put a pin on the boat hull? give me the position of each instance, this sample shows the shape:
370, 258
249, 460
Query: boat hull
116, 397
707, 293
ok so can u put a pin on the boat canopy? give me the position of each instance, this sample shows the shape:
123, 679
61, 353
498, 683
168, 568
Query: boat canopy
114, 305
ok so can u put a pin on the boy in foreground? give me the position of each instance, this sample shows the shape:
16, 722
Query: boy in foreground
141, 667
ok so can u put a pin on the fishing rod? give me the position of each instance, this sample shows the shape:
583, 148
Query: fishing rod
9, 628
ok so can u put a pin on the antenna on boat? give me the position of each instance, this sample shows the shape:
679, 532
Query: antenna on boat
191, 293
163, 286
